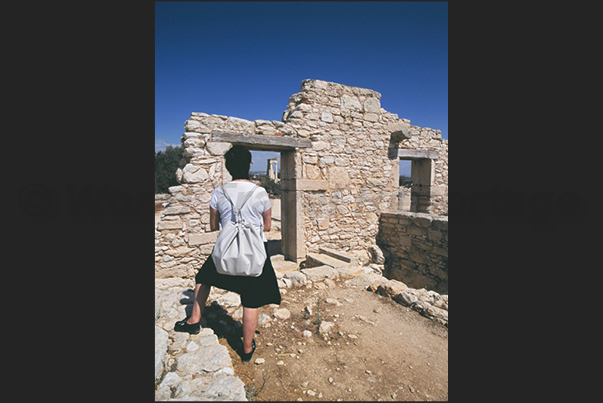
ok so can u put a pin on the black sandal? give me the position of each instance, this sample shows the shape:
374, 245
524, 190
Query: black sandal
246, 357
182, 326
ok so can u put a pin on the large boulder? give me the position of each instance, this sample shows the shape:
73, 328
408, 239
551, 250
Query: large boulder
208, 359
161, 346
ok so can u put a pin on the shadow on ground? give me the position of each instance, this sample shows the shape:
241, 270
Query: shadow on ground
224, 326
274, 247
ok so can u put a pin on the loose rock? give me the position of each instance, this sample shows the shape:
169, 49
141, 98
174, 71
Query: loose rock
264, 319
325, 327
282, 313
333, 301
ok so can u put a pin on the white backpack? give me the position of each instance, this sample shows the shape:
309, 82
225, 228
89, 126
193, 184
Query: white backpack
239, 249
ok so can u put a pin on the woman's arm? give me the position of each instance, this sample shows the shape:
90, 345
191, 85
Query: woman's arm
267, 216
214, 219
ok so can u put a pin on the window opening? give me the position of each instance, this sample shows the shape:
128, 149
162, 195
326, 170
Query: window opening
404, 185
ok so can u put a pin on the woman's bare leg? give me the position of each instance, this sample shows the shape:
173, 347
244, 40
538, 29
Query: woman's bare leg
201, 294
250, 321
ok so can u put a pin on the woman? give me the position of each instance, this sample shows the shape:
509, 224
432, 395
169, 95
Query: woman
254, 291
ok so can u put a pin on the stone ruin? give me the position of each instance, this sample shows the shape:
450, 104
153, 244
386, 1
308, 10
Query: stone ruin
271, 169
339, 183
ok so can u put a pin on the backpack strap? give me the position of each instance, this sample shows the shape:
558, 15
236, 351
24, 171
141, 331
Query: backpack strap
237, 210
248, 196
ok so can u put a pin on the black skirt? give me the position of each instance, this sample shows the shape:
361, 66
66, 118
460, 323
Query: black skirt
254, 291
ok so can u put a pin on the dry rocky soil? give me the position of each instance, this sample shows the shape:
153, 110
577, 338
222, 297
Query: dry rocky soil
376, 350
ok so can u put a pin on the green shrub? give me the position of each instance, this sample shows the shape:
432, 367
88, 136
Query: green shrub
273, 188
166, 164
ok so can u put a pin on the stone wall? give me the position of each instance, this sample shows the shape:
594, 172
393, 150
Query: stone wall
416, 249
342, 180
182, 237
351, 140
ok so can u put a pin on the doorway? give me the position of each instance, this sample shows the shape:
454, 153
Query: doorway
292, 234
265, 172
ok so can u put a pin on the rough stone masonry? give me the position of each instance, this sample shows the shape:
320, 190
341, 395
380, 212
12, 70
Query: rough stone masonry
339, 173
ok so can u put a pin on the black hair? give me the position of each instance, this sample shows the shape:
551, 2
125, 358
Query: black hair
238, 159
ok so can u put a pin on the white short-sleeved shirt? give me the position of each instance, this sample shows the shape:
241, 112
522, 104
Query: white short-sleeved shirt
251, 211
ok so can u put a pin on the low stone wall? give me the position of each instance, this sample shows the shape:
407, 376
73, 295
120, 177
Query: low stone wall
415, 246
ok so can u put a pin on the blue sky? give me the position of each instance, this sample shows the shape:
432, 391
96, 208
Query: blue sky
246, 59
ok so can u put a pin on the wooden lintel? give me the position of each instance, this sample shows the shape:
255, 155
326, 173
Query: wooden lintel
264, 142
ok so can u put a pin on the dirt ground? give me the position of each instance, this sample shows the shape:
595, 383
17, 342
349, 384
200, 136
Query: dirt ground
377, 350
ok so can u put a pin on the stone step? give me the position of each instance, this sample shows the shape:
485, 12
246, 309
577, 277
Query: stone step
277, 258
281, 265
344, 264
343, 256
344, 270
320, 259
